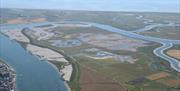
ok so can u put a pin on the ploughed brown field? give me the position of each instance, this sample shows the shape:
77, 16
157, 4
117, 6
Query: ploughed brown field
16, 21
38, 20
21, 20
93, 81
169, 82
157, 76
174, 53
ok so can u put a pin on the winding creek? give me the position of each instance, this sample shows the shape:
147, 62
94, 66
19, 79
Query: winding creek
150, 25
35, 75
175, 64
167, 43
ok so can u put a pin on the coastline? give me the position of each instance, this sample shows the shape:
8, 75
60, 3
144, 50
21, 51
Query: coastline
48, 61
53, 65
60, 74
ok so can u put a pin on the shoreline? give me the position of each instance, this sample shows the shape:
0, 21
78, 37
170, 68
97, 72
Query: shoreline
52, 65
60, 74
48, 61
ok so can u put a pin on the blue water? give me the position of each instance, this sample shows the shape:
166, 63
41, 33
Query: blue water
32, 74
35, 75
21, 26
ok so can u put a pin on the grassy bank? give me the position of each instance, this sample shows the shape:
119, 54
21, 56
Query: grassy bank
121, 73
74, 80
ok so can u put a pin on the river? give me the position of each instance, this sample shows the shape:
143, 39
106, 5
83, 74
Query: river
36, 75
32, 74
174, 63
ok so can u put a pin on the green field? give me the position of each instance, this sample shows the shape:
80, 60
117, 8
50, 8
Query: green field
168, 32
123, 20
123, 74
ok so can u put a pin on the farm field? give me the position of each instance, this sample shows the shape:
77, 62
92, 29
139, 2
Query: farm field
90, 57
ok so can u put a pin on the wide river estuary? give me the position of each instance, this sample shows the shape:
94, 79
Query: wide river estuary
36, 75
32, 74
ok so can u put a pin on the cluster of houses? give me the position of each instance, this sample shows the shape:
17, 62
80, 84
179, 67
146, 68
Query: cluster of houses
7, 78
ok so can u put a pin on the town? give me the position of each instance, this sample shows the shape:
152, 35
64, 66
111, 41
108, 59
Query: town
7, 78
